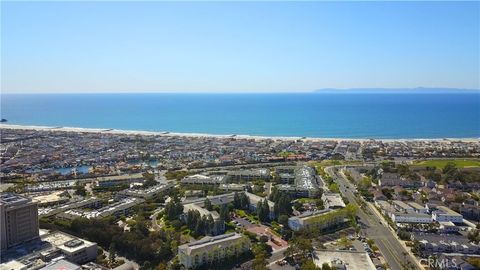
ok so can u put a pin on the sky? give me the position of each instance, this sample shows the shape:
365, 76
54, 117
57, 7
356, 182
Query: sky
70, 47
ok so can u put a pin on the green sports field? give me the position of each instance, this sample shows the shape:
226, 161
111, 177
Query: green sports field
440, 163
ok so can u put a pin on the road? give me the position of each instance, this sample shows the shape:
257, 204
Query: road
393, 251
277, 255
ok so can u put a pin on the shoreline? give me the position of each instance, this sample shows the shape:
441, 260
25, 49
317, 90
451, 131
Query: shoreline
219, 136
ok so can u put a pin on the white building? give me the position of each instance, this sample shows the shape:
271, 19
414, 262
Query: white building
343, 259
318, 220
410, 218
73, 249
219, 224
446, 214
332, 200
255, 199
212, 249
200, 179
403, 207
418, 208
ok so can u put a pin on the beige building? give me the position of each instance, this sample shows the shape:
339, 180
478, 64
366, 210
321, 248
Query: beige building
18, 220
74, 249
212, 249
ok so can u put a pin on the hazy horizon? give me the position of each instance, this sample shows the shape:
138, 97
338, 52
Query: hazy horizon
413, 90
234, 47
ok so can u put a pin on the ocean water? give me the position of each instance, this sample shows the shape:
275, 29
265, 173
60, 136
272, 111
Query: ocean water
339, 115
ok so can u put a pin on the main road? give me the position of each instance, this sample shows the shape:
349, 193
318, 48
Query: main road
396, 255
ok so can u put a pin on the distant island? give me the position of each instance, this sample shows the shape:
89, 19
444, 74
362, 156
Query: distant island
417, 90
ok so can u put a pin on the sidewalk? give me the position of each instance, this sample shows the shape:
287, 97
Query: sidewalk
380, 216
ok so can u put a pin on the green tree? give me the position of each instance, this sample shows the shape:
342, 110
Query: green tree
344, 242
208, 204
173, 209
80, 190
309, 265
283, 219
260, 260
263, 210
299, 245
225, 213
111, 254
326, 266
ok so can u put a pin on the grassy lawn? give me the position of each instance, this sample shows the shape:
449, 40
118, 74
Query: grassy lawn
440, 163
306, 200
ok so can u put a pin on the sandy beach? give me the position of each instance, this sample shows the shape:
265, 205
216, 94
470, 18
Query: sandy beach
224, 136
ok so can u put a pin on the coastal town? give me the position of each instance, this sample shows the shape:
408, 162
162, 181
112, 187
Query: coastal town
76, 198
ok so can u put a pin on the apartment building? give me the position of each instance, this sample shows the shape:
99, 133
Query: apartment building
318, 220
399, 217
255, 199
219, 225
200, 179
444, 213
212, 249
306, 183
249, 175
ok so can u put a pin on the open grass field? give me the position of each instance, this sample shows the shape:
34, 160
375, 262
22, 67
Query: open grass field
440, 163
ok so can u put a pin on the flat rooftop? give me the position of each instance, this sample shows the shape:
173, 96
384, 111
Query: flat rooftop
305, 178
210, 240
446, 210
353, 260
402, 204
67, 242
12, 199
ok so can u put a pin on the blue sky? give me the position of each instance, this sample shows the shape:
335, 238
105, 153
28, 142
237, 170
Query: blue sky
237, 47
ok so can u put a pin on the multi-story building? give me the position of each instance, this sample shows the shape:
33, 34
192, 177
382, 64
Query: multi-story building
249, 175
401, 217
215, 200
116, 209
50, 248
402, 207
146, 193
332, 200
306, 183
118, 180
318, 220
445, 243
444, 213
212, 249
18, 220
255, 199
219, 225
74, 249
418, 208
